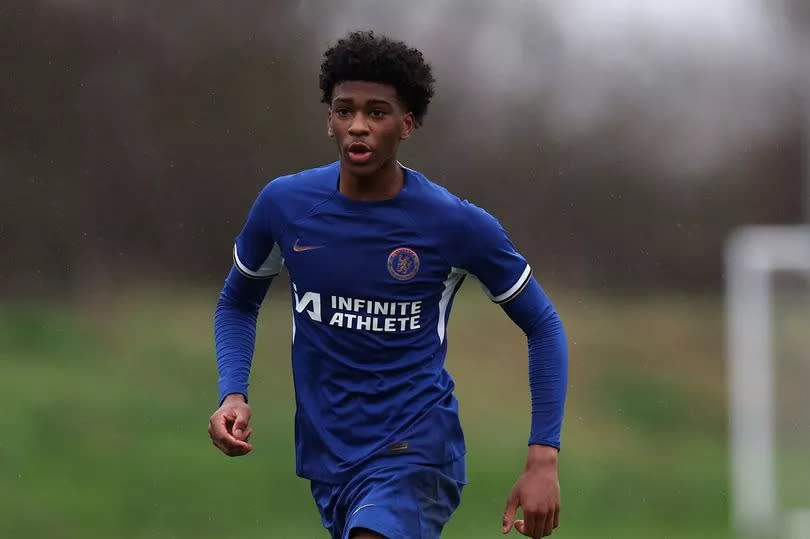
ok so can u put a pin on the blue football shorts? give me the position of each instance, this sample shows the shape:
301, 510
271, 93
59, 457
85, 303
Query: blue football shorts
407, 501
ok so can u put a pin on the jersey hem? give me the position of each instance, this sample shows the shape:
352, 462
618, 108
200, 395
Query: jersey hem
342, 478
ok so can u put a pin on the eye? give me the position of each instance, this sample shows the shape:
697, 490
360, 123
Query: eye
377, 113
343, 112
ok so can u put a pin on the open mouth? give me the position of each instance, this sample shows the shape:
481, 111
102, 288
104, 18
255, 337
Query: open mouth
358, 153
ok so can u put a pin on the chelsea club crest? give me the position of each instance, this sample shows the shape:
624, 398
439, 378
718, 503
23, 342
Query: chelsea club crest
403, 263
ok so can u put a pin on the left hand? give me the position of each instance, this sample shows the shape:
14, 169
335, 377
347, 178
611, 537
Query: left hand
537, 491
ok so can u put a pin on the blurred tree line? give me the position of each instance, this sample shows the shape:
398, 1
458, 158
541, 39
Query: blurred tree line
134, 137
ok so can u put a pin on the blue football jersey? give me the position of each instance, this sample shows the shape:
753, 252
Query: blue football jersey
372, 285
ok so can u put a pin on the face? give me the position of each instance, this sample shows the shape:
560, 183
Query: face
368, 123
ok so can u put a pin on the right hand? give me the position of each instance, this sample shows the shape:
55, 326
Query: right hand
228, 426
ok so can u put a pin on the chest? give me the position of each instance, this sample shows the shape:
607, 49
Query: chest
369, 254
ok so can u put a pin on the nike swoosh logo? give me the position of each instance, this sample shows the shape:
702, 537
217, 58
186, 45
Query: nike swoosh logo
298, 248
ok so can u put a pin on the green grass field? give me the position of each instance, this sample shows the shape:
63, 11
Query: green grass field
106, 407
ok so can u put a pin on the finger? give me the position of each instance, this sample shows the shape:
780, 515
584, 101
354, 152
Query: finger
534, 524
549, 527
216, 440
508, 520
542, 525
220, 433
228, 450
214, 435
217, 445
248, 433
234, 447
218, 426
552, 521
238, 451
557, 517
529, 525
520, 526
240, 422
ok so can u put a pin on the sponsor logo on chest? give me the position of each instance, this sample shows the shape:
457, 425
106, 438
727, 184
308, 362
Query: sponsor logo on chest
361, 314
381, 316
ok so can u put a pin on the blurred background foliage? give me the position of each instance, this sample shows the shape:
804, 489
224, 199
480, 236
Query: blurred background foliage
617, 144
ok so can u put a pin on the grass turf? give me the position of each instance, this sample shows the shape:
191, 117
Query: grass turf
106, 406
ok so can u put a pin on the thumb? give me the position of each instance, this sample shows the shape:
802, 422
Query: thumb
240, 424
509, 513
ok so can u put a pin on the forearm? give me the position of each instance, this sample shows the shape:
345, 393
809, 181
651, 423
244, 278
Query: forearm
548, 362
235, 332
548, 380
235, 336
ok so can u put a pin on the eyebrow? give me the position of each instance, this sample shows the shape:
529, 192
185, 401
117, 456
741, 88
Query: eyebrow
372, 101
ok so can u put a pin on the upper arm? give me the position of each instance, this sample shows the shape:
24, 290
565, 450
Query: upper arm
529, 308
256, 253
483, 248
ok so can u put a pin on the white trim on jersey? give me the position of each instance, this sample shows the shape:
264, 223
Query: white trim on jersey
450, 284
269, 268
406, 168
514, 289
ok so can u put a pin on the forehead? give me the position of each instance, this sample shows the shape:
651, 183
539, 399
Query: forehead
362, 91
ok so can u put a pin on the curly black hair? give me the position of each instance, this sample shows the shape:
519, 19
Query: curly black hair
368, 57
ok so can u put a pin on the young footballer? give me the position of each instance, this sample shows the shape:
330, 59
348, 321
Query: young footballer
376, 253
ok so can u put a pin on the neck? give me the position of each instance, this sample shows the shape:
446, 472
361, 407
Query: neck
383, 184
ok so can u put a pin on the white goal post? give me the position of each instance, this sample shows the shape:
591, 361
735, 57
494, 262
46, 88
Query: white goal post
753, 254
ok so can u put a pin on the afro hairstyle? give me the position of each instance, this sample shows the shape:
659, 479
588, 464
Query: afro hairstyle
364, 56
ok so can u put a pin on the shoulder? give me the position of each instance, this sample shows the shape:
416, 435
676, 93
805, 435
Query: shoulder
292, 195
312, 183
440, 208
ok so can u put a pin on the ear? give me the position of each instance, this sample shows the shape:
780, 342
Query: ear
408, 125
329, 130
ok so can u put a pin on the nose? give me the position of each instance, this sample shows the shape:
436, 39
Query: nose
359, 125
